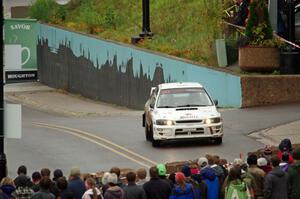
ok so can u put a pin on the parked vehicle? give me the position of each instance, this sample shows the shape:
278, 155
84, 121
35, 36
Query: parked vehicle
181, 111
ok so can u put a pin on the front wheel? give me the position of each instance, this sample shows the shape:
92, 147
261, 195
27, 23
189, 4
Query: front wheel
155, 143
148, 132
218, 140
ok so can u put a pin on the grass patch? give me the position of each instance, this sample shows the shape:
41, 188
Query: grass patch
183, 28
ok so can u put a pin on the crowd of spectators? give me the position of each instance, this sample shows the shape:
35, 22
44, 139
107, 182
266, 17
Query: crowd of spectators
266, 176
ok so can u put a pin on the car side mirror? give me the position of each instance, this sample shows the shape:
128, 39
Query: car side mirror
152, 90
216, 102
151, 105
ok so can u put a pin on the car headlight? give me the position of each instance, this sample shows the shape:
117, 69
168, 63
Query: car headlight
165, 122
212, 120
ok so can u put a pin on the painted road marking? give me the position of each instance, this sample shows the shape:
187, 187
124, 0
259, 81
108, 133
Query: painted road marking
80, 133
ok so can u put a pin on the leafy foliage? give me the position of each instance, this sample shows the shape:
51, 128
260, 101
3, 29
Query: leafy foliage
183, 28
258, 30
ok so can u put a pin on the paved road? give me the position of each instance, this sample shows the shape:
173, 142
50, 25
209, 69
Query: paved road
60, 147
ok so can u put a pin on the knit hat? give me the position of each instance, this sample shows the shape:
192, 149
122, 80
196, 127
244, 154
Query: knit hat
57, 173
36, 176
75, 171
238, 162
112, 178
252, 159
296, 154
186, 170
179, 177
162, 171
202, 161
262, 162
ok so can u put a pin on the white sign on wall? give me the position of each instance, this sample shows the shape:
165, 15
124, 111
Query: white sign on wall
13, 121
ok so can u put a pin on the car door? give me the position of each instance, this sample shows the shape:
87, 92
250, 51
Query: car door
150, 107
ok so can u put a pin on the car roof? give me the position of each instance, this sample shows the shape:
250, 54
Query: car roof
180, 85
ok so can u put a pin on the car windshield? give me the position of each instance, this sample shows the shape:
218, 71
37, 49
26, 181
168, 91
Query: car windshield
183, 97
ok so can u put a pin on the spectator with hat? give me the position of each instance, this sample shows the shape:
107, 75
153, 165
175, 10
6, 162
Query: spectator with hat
210, 178
276, 184
258, 175
162, 173
76, 185
117, 171
114, 191
36, 178
199, 186
284, 164
263, 164
182, 189
57, 174
156, 188
285, 146
294, 176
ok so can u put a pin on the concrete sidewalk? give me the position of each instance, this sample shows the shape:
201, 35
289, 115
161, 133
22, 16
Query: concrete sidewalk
44, 98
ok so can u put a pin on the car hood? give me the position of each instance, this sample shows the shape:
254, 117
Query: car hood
187, 113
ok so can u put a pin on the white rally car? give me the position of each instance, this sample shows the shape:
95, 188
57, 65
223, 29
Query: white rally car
177, 111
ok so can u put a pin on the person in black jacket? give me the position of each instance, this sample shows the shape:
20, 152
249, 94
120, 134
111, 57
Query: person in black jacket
132, 190
62, 185
276, 185
156, 188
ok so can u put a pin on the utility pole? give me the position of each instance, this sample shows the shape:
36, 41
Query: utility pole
146, 20
146, 32
3, 168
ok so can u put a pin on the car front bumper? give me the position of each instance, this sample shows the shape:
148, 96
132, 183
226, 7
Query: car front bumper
164, 132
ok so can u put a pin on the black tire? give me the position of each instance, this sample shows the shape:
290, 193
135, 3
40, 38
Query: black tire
218, 140
155, 143
148, 133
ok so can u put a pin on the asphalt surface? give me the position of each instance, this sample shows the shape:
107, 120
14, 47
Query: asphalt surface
56, 148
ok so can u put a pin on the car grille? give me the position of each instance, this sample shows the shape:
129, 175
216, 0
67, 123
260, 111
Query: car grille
197, 131
188, 121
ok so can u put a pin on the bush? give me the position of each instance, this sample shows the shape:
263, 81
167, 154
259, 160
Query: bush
44, 10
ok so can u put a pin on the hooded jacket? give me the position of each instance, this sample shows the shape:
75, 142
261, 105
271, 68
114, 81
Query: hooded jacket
237, 189
134, 191
8, 190
178, 193
114, 193
212, 182
294, 180
276, 185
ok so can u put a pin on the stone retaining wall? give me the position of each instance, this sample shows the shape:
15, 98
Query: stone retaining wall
270, 89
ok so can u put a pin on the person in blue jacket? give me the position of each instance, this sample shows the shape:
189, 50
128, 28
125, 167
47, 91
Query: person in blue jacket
182, 190
210, 178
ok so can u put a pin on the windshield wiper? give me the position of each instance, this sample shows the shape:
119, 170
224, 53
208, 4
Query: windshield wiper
191, 105
166, 107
